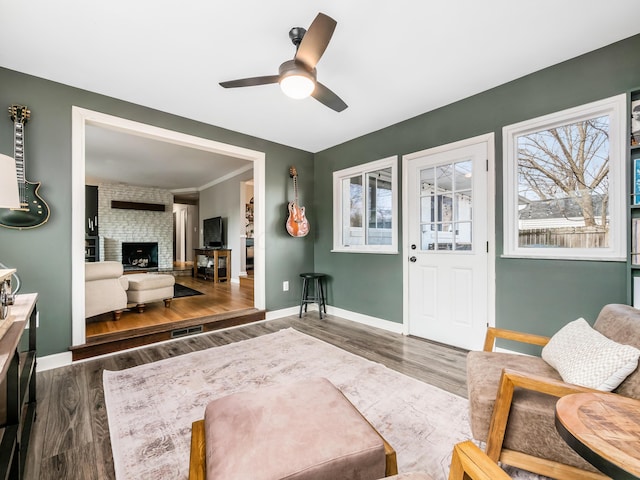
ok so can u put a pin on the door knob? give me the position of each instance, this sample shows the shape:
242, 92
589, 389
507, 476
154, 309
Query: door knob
413, 259
413, 246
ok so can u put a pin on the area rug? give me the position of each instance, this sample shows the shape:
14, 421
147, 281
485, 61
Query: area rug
151, 407
184, 291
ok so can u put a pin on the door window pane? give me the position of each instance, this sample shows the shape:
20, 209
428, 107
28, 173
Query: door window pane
446, 207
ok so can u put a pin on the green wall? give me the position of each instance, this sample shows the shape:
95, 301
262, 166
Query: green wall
532, 295
535, 295
42, 255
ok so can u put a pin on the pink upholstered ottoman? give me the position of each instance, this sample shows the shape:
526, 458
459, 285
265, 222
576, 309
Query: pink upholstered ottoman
300, 431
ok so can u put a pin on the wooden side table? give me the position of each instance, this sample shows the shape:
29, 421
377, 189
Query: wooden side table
604, 428
216, 255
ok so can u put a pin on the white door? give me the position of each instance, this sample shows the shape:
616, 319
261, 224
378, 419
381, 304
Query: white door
448, 269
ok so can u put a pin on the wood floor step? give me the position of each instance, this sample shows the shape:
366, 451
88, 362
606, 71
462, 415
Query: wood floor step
116, 341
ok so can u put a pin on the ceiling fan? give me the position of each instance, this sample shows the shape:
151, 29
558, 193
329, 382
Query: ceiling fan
297, 77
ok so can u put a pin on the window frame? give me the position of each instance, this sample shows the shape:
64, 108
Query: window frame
362, 170
615, 108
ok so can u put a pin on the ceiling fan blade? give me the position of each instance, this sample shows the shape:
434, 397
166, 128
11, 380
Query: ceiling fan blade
315, 41
251, 82
328, 98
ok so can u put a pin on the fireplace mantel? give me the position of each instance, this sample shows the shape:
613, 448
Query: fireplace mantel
154, 207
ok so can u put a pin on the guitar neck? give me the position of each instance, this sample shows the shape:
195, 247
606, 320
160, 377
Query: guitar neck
18, 155
18, 150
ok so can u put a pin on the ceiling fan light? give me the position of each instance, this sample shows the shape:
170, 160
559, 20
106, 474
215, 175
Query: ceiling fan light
297, 86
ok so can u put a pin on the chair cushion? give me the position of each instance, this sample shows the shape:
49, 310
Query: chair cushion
150, 281
621, 323
531, 427
410, 476
102, 270
304, 430
583, 356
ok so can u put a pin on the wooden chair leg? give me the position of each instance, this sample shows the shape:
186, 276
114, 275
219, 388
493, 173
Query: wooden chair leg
468, 461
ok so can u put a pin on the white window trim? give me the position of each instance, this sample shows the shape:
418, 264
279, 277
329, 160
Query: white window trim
338, 176
616, 109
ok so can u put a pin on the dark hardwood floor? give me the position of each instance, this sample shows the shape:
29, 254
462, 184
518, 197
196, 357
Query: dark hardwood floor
70, 438
219, 305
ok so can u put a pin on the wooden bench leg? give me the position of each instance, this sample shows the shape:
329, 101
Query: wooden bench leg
197, 463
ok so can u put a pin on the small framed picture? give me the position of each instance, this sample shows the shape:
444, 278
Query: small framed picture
635, 122
636, 181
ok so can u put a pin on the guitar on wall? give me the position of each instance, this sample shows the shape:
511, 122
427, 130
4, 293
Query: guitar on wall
297, 223
33, 210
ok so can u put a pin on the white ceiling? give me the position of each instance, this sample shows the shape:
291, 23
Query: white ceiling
116, 157
388, 61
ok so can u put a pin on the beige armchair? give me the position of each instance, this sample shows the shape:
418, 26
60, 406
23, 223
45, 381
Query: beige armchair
512, 399
105, 289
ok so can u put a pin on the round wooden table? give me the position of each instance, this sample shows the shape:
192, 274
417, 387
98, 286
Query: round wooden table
604, 428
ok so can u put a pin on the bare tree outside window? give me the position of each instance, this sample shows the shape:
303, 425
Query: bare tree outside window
563, 186
564, 183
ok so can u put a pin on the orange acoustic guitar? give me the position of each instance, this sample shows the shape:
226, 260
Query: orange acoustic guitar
297, 223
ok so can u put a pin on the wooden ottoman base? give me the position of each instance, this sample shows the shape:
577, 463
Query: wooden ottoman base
198, 463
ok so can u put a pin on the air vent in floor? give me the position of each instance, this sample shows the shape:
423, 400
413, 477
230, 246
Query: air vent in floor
183, 332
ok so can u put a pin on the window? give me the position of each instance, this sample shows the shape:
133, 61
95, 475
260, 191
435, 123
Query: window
446, 200
564, 184
365, 208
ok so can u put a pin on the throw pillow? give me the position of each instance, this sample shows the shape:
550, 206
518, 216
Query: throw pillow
583, 356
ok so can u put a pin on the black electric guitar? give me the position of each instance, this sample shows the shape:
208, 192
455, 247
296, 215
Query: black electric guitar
33, 210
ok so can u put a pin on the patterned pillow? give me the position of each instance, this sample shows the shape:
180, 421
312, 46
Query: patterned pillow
585, 357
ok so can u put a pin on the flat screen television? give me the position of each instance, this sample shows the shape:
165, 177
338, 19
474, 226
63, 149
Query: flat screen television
213, 235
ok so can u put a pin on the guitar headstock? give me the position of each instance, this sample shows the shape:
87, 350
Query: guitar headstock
19, 113
293, 172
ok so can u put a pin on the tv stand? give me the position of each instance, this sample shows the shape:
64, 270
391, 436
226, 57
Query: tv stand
221, 264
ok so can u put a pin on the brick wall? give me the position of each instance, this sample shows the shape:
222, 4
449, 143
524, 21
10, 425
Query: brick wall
117, 225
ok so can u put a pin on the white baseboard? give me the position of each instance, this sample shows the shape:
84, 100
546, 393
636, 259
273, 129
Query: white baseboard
339, 312
50, 362
63, 359
366, 320
284, 312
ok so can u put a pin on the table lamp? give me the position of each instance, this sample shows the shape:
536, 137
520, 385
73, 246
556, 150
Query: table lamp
9, 197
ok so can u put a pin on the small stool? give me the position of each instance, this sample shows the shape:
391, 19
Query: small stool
150, 287
301, 431
318, 297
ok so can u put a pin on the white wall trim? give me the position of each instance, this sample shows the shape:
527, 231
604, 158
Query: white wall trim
339, 312
366, 320
49, 362
80, 118
283, 312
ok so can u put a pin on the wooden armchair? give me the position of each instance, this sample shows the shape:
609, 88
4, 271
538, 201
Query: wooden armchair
512, 399
468, 461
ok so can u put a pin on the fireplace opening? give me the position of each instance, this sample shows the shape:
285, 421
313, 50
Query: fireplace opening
140, 255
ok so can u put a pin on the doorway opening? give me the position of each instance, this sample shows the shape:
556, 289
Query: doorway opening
81, 119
